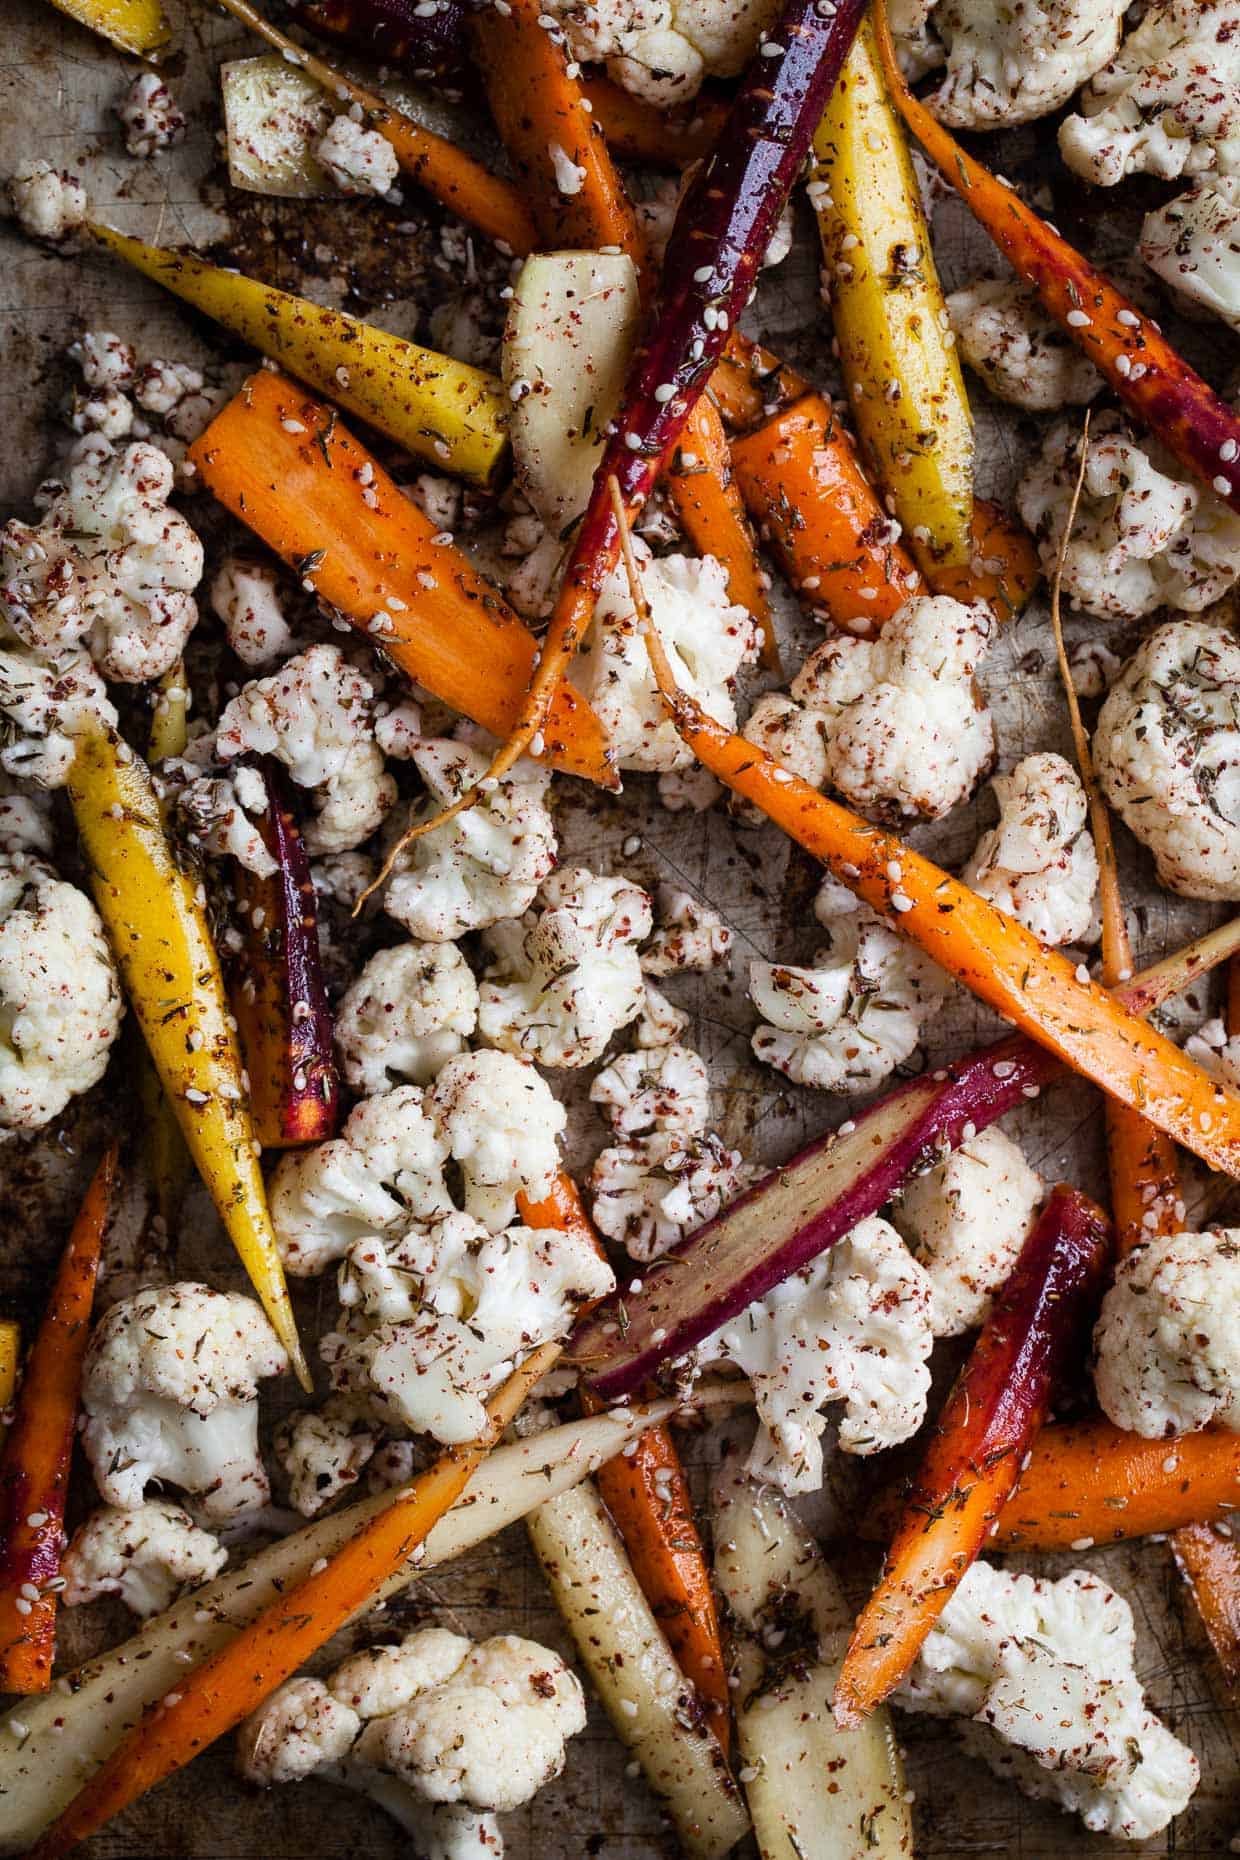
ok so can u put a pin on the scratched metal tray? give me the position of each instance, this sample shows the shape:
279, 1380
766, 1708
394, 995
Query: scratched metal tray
57, 84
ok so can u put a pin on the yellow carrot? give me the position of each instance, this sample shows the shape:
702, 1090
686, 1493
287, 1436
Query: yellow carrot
155, 916
137, 26
440, 410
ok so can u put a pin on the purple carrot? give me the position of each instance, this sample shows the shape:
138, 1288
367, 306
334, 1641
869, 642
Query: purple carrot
431, 40
278, 994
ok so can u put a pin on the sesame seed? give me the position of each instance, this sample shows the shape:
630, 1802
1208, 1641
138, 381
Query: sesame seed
1222, 486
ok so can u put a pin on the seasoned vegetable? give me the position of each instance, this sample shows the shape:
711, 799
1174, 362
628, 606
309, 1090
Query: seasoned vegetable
278, 994
973, 1463
814, 1792
137, 26
286, 466
155, 916
887, 310
226, 1687
444, 411
34, 1469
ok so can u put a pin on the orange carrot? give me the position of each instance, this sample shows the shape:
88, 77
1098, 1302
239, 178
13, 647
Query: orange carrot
647, 1495
1210, 1564
540, 112
973, 1462
803, 484
284, 464
1150, 378
641, 132
225, 1688
431, 161
995, 957
1004, 569
751, 384
1090, 1482
34, 1469
701, 486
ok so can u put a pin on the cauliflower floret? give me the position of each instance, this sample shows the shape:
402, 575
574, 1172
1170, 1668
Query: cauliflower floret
150, 116
1167, 752
323, 1451
162, 386
707, 638
1167, 1341
170, 1391
966, 1220
314, 716
688, 790
439, 1730
221, 812
1143, 537
1012, 64
854, 1328
106, 360
60, 998
107, 412
1044, 1672
501, 1126
147, 1555
359, 160
1168, 103
383, 1170
245, 596
846, 1023
301, 1728
894, 724
25, 822
660, 1021
109, 564
409, 1010
343, 878
466, 1306
47, 702
1039, 864
1193, 243
485, 865
661, 50
664, 1088
48, 205
649, 1193
1019, 351
690, 936
569, 977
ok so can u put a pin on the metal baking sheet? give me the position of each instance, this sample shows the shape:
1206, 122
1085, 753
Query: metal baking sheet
57, 86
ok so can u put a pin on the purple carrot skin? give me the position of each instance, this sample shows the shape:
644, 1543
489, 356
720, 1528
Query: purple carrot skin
715, 251
784, 1221
993, 1414
278, 994
1147, 374
430, 39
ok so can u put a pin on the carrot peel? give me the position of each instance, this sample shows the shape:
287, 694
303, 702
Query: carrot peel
34, 1469
992, 1414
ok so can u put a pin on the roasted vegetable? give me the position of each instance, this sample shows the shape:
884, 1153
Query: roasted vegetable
897, 351
155, 916
137, 26
443, 411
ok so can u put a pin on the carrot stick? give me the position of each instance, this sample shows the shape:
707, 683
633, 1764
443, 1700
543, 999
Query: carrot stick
225, 1688
803, 484
540, 112
1089, 1482
647, 1495
1210, 1564
34, 1469
1004, 570
708, 502
285, 466
993, 1413
10, 1359
995, 957
1153, 381
641, 132
432, 163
